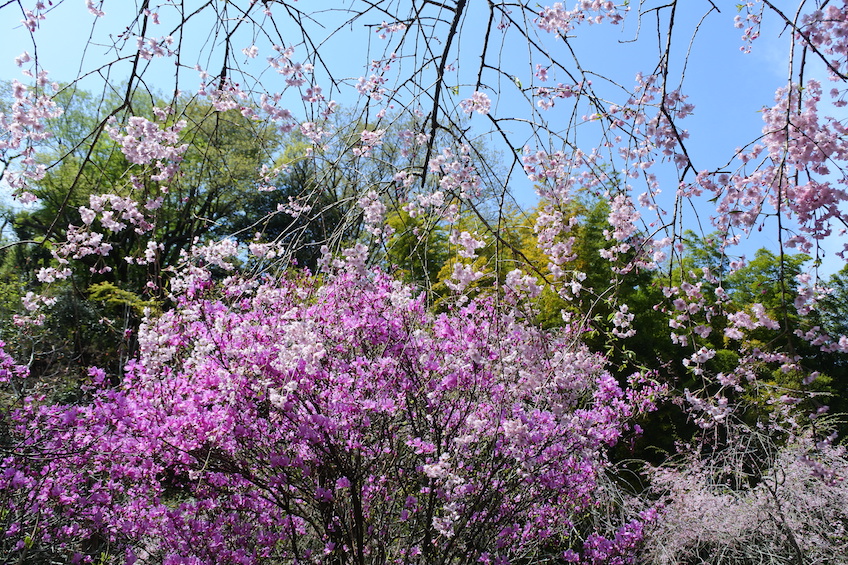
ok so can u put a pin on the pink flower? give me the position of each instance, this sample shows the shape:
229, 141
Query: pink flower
479, 102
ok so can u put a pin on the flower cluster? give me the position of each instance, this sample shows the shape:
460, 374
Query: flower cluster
144, 142
479, 102
373, 212
557, 19
291, 419
23, 128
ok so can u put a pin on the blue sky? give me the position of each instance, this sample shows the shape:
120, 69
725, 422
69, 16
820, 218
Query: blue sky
727, 86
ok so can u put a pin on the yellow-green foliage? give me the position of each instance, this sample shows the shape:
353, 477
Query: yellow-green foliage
117, 299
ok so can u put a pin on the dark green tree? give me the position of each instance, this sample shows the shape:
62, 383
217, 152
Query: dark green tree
98, 307
833, 307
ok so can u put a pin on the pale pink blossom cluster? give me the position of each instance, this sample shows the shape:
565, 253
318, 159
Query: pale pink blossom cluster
744, 321
795, 137
295, 72
154, 16
462, 275
556, 19
553, 239
750, 22
152, 251
267, 176
217, 253
547, 95
225, 95
423, 202
374, 212
270, 105
557, 175
145, 142
795, 161
385, 29
479, 102
282, 62
816, 337
623, 219
314, 94
32, 301
150, 47
108, 205
315, 133
688, 300
22, 129
81, 242
372, 87
660, 132
295, 207
655, 136
368, 140
115, 214
523, 284
21, 60
807, 297
622, 322
467, 243
194, 275
355, 259
48, 275
265, 250
33, 17
95, 8
459, 175
403, 182
807, 294
827, 29
695, 362
409, 140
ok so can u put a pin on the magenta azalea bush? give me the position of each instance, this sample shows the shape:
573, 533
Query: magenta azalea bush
300, 420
